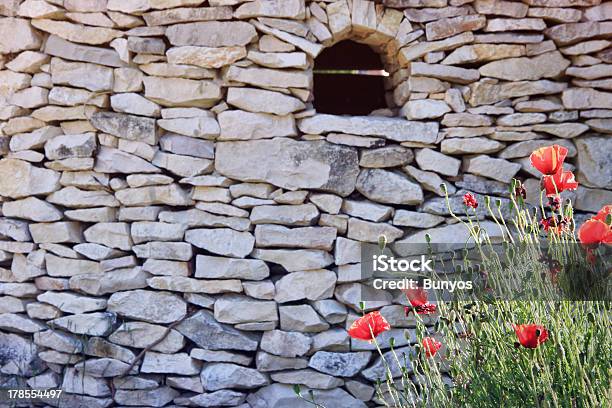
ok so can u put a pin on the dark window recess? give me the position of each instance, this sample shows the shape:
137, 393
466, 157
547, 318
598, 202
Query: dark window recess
349, 80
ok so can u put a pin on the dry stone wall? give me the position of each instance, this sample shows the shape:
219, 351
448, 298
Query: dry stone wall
179, 226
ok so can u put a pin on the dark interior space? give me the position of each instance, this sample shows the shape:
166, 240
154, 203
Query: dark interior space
348, 80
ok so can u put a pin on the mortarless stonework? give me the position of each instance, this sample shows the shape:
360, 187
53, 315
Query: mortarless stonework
163, 173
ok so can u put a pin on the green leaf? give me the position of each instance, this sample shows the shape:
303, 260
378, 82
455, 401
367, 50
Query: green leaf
362, 305
382, 242
296, 389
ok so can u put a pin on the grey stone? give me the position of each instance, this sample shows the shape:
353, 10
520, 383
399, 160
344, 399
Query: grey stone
219, 376
204, 330
148, 306
290, 164
340, 364
388, 187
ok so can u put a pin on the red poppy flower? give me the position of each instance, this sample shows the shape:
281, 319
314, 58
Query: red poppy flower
595, 231
418, 299
548, 160
431, 346
561, 181
530, 335
470, 201
602, 215
368, 326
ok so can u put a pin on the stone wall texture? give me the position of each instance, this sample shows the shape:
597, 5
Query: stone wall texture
180, 227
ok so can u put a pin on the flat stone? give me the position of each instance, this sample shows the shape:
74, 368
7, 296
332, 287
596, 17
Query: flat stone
593, 164
212, 34
483, 52
282, 395
293, 9
187, 14
218, 376
390, 128
32, 180
206, 332
78, 33
100, 283
181, 92
366, 231
431, 160
501, 8
241, 125
340, 364
33, 209
497, 169
91, 324
278, 158
296, 259
311, 285
586, 98
445, 72
179, 363
19, 36
158, 397
187, 285
420, 49
425, 109
301, 318
566, 34
447, 27
279, 59
148, 306
509, 24
235, 309
285, 344
171, 194
219, 398
470, 145
82, 75
58, 47
112, 234
263, 101
308, 237
125, 126
484, 93
388, 187
57, 266
206, 57
81, 383
222, 241
200, 127
66, 146
548, 65
415, 219
268, 78
109, 160
71, 303
141, 335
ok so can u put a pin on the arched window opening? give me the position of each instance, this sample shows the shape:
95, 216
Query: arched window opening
349, 80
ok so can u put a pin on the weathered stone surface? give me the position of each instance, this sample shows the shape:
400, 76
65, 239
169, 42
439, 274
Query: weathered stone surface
281, 395
77, 32
311, 285
565, 34
295, 260
470, 145
259, 100
594, 167
548, 65
91, 324
340, 364
206, 57
483, 52
17, 35
211, 34
129, 127
388, 187
32, 180
33, 209
148, 306
211, 267
218, 376
235, 309
301, 318
392, 129
447, 27
170, 194
241, 125
497, 169
181, 92
417, 50
187, 14
58, 47
501, 8
425, 109
311, 164
222, 241
206, 332
140, 335
586, 98
309, 237
157, 397
82, 75
484, 93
